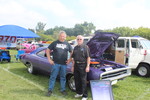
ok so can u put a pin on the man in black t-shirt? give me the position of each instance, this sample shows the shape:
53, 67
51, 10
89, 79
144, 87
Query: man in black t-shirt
59, 50
81, 65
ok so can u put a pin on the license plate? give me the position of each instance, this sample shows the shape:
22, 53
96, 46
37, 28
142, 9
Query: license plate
109, 68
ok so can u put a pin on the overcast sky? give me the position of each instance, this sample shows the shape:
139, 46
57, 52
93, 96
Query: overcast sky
104, 14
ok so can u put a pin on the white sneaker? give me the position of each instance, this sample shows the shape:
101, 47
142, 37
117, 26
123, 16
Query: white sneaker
84, 98
78, 95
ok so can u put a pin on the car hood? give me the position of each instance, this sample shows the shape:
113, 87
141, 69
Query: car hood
100, 42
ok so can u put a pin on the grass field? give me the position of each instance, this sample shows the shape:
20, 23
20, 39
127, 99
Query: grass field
17, 84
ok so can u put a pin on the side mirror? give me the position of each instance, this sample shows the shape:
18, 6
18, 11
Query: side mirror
141, 47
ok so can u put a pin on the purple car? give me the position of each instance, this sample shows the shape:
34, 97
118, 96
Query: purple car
100, 68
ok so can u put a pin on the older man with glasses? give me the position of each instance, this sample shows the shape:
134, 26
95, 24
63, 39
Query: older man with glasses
81, 63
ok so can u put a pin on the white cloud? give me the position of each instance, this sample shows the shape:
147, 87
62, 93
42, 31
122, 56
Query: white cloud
57, 13
14, 13
51, 6
106, 13
27, 13
103, 14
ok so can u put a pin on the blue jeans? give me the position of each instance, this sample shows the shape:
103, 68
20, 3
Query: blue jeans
61, 70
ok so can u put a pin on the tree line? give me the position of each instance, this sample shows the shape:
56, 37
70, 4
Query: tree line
85, 29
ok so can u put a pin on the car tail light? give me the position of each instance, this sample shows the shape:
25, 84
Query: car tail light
145, 52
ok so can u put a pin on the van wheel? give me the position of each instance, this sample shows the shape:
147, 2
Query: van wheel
143, 70
71, 82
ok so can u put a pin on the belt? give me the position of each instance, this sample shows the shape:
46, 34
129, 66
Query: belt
78, 62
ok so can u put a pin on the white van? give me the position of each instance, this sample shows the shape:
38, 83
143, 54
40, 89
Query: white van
134, 52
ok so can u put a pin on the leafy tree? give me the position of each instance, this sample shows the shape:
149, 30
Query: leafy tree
44, 37
69, 31
83, 29
49, 32
78, 29
124, 31
40, 27
70, 38
88, 27
55, 34
143, 32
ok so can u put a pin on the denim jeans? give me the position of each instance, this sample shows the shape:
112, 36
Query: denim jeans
61, 70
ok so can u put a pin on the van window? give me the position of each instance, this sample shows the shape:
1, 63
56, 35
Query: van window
134, 43
120, 43
145, 43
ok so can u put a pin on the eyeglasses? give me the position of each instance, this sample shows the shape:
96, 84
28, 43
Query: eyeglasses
79, 39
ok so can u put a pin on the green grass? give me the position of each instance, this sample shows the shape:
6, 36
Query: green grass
17, 84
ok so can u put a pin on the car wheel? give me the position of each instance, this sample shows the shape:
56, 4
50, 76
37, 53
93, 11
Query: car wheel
30, 68
71, 82
143, 70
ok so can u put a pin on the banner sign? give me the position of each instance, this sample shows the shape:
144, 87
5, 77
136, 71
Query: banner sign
101, 90
8, 41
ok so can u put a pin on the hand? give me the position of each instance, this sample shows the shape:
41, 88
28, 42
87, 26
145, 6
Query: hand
51, 62
87, 69
72, 69
68, 61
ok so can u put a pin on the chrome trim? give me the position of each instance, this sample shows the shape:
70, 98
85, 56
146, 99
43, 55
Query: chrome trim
118, 74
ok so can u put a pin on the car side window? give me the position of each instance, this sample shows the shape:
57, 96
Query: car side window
42, 53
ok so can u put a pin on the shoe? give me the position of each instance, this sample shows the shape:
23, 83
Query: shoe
84, 98
64, 93
49, 93
78, 95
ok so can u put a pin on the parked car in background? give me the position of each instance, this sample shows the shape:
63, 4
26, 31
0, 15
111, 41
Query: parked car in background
31, 47
100, 69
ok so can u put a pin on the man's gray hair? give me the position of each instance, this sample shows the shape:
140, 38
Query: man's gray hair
80, 36
62, 32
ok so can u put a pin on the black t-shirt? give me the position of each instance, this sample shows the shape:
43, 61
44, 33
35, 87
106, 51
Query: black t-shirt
81, 53
60, 51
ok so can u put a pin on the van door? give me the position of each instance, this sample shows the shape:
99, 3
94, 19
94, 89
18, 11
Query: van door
120, 52
135, 56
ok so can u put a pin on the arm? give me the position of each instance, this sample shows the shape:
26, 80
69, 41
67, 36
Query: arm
88, 60
48, 51
88, 64
71, 52
70, 59
72, 68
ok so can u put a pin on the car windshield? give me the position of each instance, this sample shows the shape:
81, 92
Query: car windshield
145, 43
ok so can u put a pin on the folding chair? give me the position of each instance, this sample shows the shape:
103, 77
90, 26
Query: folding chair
5, 56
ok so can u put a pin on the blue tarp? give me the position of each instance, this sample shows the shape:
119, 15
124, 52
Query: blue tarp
19, 32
